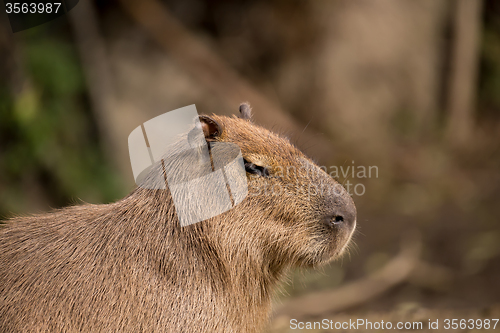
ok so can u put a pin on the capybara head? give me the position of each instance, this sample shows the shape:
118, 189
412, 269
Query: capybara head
295, 213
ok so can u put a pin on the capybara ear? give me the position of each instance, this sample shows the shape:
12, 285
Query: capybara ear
211, 128
245, 111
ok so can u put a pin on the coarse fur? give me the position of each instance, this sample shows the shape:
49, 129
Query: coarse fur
129, 267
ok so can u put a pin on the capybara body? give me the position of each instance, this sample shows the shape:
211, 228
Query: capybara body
130, 267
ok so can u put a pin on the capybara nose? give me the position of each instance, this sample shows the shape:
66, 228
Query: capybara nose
342, 211
343, 218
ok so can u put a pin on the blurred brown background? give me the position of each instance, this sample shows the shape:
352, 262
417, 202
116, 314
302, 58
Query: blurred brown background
411, 87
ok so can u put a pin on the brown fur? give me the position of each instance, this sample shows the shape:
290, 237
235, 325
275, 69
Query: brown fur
129, 267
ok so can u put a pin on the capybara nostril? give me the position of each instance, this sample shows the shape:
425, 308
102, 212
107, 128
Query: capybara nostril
334, 220
338, 219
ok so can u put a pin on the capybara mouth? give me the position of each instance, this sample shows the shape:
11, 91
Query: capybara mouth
338, 233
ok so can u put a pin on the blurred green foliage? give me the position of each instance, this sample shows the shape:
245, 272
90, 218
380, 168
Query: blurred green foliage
49, 142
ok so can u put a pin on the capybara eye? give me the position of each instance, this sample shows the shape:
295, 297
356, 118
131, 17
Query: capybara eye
256, 169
